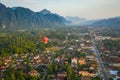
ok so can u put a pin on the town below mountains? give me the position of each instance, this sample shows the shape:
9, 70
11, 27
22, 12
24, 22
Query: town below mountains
46, 46
24, 18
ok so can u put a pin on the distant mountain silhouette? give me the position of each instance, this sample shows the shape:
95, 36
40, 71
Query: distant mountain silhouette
19, 17
111, 22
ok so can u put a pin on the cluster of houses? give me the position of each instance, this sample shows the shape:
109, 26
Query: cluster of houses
23, 60
100, 38
111, 58
86, 58
112, 63
88, 62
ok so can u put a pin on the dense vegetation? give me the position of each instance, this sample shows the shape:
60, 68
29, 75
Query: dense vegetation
28, 44
112, 45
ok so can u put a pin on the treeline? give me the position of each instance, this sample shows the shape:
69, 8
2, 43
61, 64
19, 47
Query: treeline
113, 32
22, 42
112, 45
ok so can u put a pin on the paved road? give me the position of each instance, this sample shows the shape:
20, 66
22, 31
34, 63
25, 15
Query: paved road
44, 74
51, 62
103, 71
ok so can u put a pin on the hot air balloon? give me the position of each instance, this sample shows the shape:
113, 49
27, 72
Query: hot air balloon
45, 40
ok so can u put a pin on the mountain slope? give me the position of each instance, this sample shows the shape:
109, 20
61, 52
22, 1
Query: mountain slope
19, 17
111, 22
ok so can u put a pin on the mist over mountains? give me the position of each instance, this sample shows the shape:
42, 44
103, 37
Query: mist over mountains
19, 17
110, 22
75, 20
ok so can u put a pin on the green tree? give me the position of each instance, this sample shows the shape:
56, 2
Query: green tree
69, 72
55, 69
50, 69
20, 75
47, 77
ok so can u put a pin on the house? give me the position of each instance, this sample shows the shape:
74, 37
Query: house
113, 72
88, 41
74, 60
24, 56
20, 66
36, 57
79, 49
91, 68
47, 61
70, 48
61, 75
82, 44
101, 38
19, 60
38, 61
91, 51
16, 55
115, 39
87, 47
57, 59
3, 67
85, 73
68, 34
116, 64
8, 60
92, 64
117, 59
106, 51
33, 73
90, 57
42, 58
82, 61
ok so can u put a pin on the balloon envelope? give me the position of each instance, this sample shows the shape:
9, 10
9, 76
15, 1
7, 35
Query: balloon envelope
45, 40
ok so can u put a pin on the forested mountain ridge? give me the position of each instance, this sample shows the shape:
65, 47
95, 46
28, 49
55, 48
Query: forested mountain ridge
18, 17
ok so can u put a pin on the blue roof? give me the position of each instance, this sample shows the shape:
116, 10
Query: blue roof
90, 51
113, 72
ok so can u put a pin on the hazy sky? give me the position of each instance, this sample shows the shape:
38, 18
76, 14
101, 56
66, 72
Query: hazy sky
90, 9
